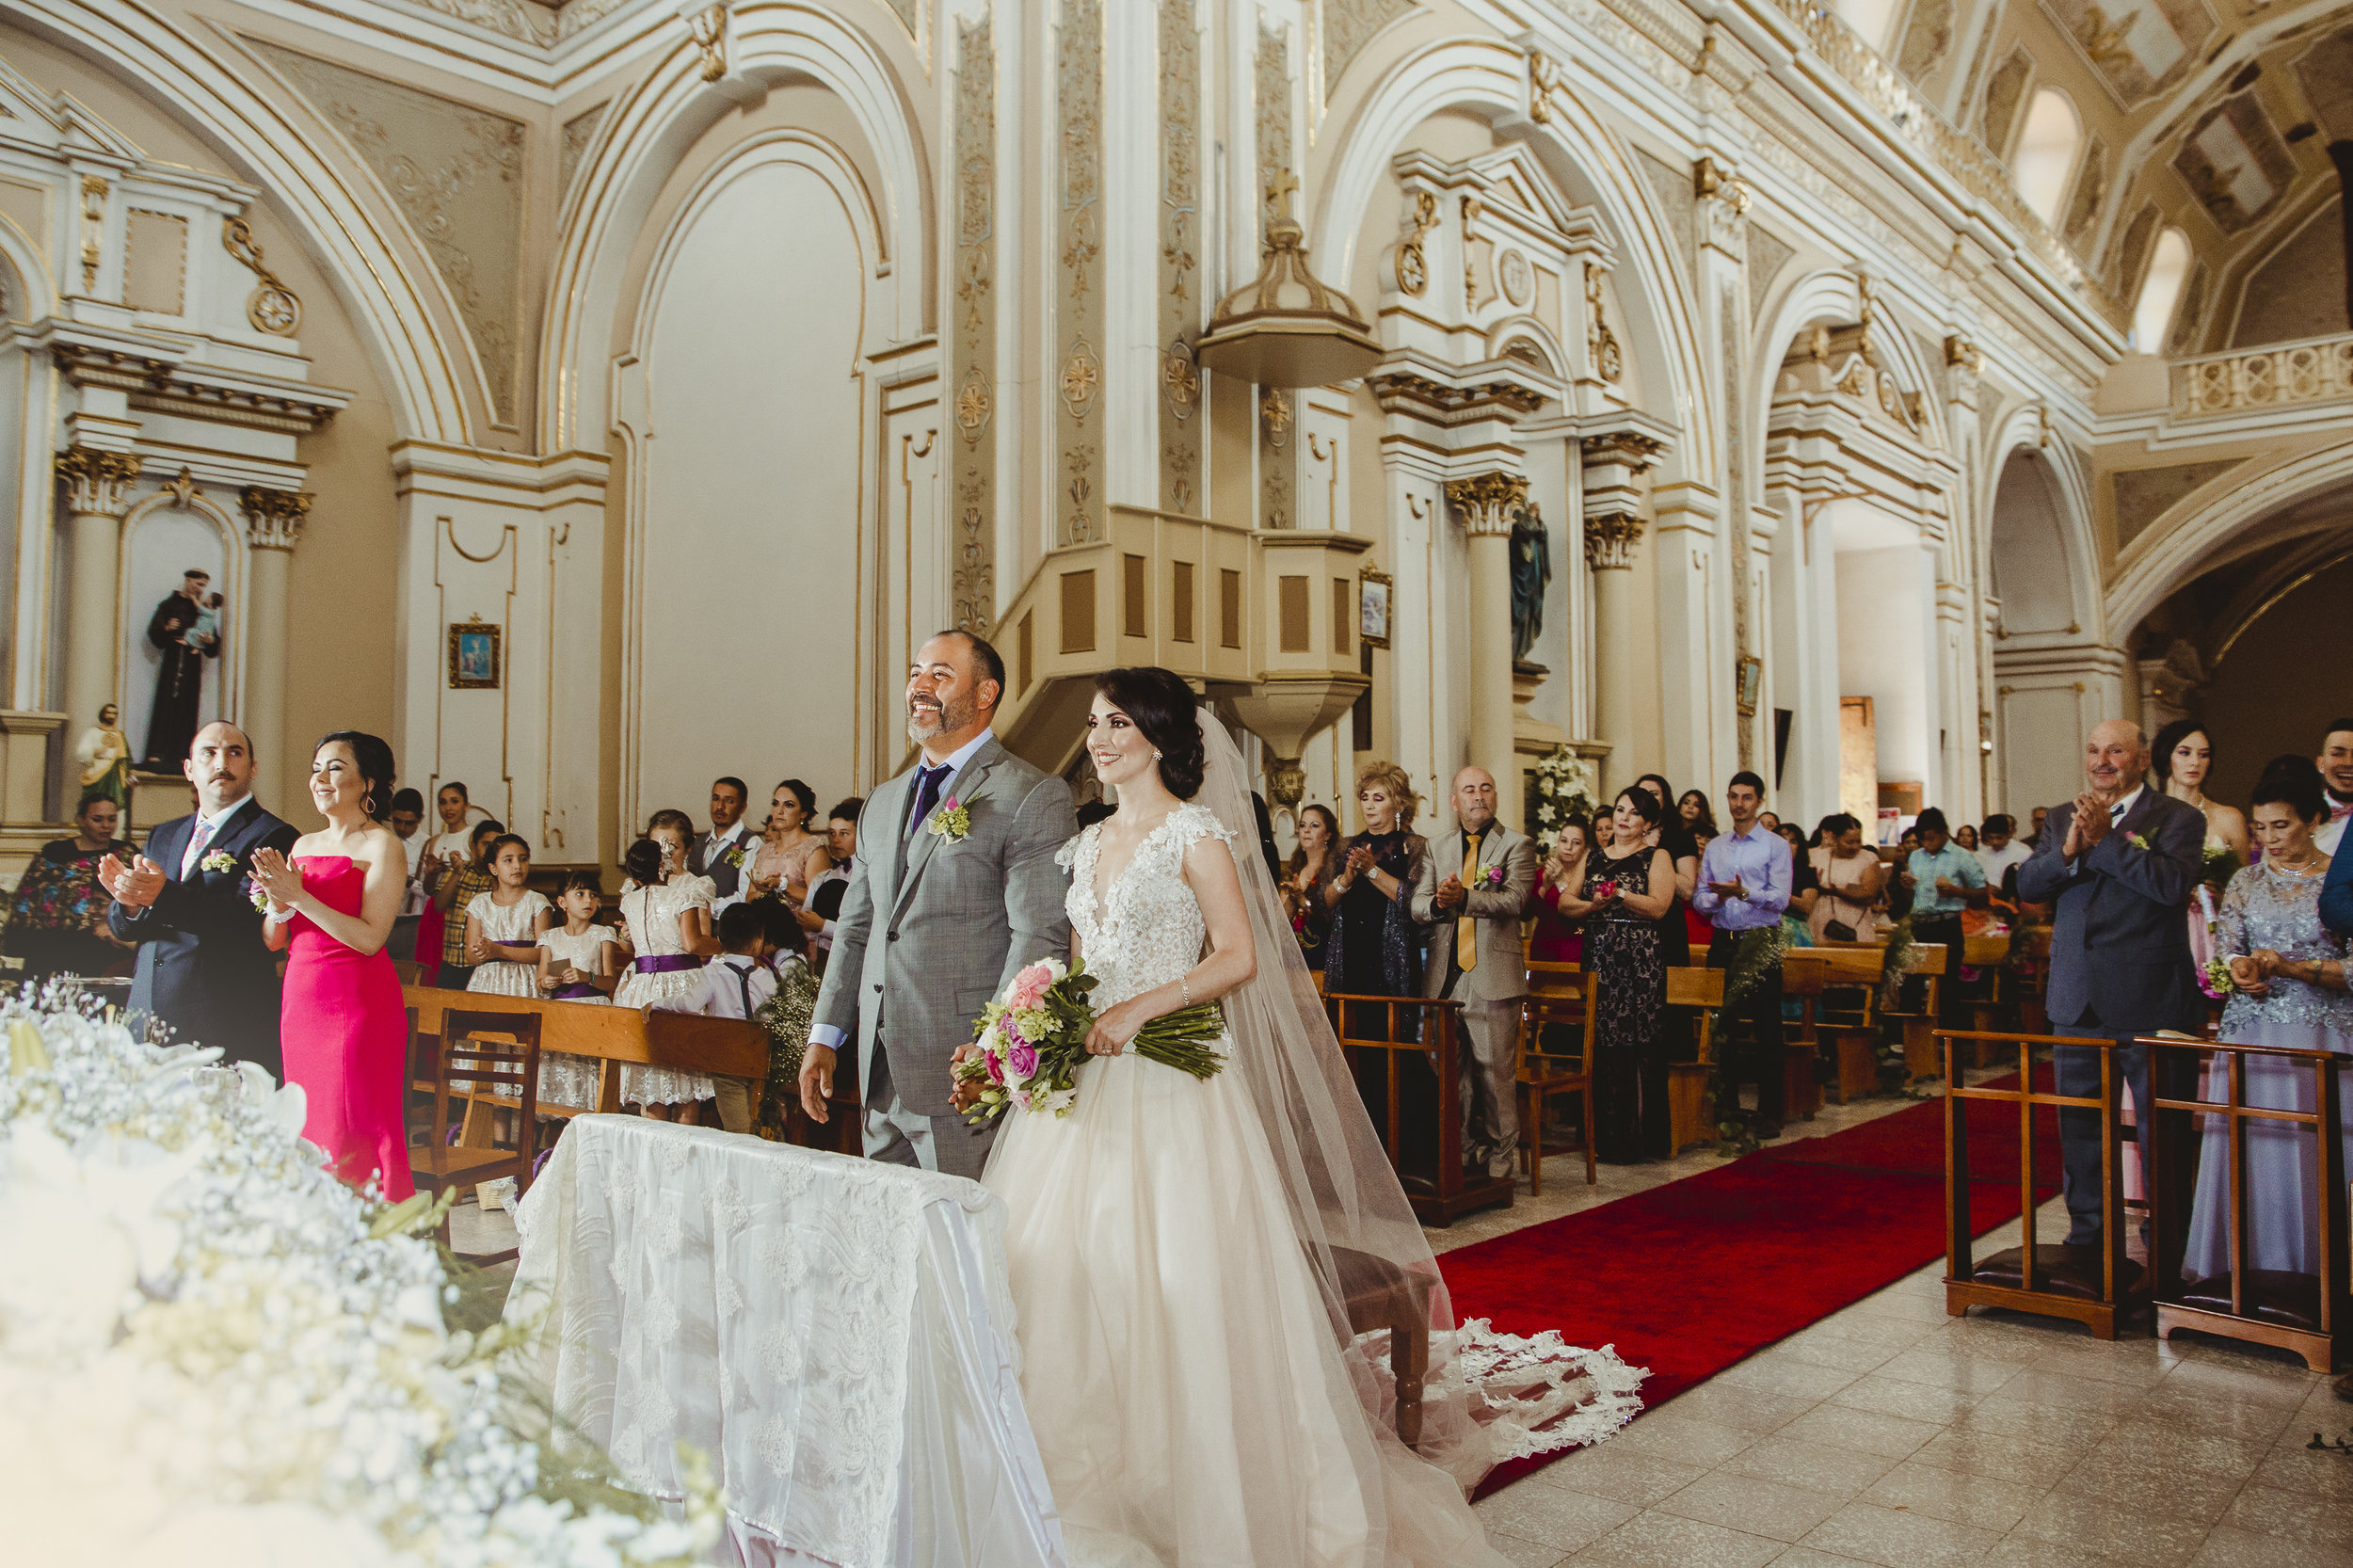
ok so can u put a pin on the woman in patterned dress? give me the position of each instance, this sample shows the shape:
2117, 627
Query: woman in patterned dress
1622, 892
669, 911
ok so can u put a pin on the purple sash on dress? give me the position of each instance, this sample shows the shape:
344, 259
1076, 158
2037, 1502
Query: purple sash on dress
578, 989
663, 963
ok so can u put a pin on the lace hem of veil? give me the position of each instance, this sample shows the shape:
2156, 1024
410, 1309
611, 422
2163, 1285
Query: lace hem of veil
1529, 1396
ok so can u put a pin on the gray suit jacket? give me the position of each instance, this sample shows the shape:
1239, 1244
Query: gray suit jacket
1501, 972
2120, 937
929, 930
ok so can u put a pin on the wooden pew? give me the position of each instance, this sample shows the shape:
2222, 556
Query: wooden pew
1989, 954
1932, 962
1854, 1035
1690, 1112
612, 1037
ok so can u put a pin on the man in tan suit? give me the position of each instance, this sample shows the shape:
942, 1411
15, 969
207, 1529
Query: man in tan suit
1474, 883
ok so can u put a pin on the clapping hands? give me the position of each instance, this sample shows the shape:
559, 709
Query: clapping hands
281, 881
135, 886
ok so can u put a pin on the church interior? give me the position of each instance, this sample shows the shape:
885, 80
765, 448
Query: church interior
594, 398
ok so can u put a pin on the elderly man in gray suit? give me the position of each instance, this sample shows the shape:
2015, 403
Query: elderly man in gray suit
956, 889
2119, 863
1474, 883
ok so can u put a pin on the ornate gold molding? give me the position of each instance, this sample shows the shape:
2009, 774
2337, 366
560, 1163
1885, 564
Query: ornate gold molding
1079, 177
1413, 263
97, 483
272, 307
1610, 540
1600, 342
1489, 504
708, 28
93, 230
1180, 217
972, 458
1621, 446
1546, 77
273, 518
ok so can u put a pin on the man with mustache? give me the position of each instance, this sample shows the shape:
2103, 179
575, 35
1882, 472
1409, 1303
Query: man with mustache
203, 971
956, 889
2118, 863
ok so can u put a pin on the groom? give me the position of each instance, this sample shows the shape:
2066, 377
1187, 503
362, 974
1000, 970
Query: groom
955, 890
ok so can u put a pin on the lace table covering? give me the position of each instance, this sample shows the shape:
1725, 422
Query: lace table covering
834, 1334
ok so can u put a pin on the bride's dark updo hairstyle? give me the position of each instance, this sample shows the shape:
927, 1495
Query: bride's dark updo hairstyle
1164, 706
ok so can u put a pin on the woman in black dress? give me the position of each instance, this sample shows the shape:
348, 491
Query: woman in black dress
1623, 891
1306, 881
1374, 948
57, 916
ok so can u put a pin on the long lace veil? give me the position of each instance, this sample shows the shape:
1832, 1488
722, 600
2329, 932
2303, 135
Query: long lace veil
1350, 1213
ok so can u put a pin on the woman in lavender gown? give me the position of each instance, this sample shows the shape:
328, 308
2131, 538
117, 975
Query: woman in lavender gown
2288, 989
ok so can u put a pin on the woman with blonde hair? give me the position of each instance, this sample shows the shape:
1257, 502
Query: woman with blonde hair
1374, 948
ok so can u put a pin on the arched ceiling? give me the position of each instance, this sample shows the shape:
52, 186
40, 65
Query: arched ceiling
2214, 116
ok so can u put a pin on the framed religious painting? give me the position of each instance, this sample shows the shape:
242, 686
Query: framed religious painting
1373, 607
474, 661
1752, 686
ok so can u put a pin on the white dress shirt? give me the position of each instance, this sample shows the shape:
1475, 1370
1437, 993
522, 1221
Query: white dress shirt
723, 986
714, 847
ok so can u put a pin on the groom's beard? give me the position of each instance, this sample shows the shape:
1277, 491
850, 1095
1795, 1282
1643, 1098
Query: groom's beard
923, 721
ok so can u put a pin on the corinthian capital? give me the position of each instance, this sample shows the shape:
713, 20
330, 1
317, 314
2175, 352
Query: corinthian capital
97, 481
1610, 538
273, 518
1488, 502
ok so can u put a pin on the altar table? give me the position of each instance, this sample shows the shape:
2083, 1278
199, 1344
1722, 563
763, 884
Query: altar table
836, 1334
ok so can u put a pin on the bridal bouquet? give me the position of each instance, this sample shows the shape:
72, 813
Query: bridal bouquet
1034, 1036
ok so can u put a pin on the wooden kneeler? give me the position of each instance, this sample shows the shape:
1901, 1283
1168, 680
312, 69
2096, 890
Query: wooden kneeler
1690, 1110
1418, 1036
2094, 1285
2309, 1314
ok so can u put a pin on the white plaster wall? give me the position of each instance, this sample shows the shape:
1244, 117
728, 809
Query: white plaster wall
1883, 598
754, 498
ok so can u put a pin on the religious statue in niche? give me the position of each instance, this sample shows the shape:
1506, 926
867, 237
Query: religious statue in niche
186, 631
104, 752
1531, 573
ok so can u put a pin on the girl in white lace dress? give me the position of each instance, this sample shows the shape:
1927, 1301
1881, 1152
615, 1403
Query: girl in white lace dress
669, 911
503, 925
1182, 1368
574, 958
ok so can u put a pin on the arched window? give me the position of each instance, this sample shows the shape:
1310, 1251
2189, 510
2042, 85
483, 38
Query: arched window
1870, 18
2160, 292
2046, 151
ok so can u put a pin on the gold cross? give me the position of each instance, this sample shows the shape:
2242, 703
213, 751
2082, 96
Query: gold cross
1279, 192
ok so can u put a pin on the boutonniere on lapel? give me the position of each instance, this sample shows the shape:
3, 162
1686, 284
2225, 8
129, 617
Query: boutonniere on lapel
950, 821
2139, 840
220, 860
1492, 876
734, 858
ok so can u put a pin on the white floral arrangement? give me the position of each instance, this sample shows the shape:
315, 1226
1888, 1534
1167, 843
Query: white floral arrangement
1564, 786
212, 1351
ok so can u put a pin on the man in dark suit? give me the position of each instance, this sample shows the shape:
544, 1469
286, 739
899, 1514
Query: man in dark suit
708, 854
2119, 863
204, 969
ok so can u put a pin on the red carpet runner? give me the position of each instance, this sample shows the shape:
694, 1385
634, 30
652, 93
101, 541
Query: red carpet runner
1692, 1276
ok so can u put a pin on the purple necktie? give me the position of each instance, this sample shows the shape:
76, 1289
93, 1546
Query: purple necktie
928, 781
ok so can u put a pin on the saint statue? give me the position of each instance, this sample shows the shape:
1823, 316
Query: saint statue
104, 752
186, 629
1531, 573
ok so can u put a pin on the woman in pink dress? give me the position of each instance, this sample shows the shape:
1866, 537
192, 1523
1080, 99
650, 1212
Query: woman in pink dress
343, 1023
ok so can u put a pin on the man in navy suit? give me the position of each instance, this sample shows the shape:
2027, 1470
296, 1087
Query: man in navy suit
204, 969
2118, 862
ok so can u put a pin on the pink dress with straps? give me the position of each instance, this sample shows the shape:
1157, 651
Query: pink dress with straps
345, 1033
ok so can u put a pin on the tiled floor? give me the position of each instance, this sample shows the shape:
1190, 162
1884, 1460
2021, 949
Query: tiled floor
1891, 1433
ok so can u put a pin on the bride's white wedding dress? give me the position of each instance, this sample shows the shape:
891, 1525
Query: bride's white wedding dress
1180, 1368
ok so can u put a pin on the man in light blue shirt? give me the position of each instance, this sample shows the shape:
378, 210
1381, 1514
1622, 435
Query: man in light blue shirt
1944, 880
1743, 888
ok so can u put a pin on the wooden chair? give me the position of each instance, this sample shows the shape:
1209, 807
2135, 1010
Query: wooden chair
1848, 996
1800, 1090
410, 971
1541, 1073
2094, 1285
497, 1053
2309, 1314
1930, 961
1989, 954
1419, 1041
1380, 1295
1690, 1116
1553, 978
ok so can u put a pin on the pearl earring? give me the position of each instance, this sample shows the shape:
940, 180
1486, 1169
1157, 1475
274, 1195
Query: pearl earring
1155, 754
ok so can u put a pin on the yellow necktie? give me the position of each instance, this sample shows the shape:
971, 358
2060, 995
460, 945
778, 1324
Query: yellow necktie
1466, 929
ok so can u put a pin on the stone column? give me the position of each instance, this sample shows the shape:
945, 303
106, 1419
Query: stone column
1488, 504
98, 486
273, 520
1613, 465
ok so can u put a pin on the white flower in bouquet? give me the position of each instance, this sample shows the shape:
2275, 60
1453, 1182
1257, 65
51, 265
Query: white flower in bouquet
212, 1350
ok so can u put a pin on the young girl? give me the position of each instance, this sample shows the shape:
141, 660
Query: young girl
503, 925
576, 964
669, 910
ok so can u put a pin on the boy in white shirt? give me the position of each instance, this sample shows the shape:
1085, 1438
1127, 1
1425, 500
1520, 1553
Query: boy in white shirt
1999, 849
732, 985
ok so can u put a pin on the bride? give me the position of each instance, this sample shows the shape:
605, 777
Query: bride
1177, 1247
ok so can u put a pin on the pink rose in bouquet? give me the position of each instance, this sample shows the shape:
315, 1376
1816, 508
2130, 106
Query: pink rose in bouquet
1032, 1041
1023, 1059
